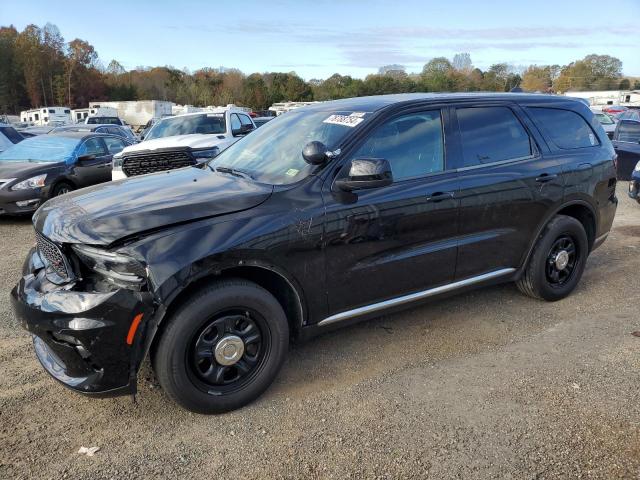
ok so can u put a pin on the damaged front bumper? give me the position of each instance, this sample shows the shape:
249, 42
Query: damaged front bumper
83, 339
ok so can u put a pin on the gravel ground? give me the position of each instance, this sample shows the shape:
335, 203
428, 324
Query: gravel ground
489, 384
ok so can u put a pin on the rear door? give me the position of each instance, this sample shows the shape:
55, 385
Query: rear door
387, 242
506, 186
96, 169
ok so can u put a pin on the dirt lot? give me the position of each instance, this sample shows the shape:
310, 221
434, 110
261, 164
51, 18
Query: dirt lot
489, 384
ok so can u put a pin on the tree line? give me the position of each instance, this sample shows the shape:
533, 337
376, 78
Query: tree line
39, 68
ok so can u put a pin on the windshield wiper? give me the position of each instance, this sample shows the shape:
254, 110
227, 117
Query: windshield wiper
233, 171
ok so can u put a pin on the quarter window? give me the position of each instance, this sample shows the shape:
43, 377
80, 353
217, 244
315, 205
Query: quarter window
412, 144
565, 128
492, 134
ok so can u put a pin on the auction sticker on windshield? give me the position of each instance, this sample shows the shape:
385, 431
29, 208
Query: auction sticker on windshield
346, 120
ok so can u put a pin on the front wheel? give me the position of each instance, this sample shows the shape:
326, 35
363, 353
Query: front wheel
558, 260
223, 347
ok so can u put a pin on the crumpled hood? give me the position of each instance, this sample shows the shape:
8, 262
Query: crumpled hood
178, 141
105, 213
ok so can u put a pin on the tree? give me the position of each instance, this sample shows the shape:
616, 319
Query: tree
625, 84
597, 72
537, 79
12, 92
395, 70
80, 54
435, 75
52, 59
28, 52
462, 62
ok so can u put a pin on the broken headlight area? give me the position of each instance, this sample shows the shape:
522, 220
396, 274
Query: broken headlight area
116, 268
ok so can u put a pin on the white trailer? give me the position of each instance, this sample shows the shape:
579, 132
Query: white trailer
46, 116
79, 115
609, 97
138, 113
283, 107
182, 109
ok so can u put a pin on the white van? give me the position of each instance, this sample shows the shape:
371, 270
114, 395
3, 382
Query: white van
47, 116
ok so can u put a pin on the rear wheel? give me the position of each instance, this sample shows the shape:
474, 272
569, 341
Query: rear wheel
558, 260
223, 347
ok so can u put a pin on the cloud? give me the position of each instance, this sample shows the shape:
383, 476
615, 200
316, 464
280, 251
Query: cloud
412, 45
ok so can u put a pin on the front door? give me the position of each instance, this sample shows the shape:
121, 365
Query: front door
94, 170
395, 240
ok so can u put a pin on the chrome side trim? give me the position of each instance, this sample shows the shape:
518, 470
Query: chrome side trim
414, 296
601, 237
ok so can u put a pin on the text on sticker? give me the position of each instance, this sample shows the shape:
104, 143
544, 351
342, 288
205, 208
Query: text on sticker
346, 120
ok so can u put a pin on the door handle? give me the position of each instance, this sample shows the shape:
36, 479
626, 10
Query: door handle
439, 196
546, 177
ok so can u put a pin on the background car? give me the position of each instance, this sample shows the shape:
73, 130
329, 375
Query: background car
626, 141
103, 120
607, 122
184, 140
9, 136
613, 109
259, 121
117, 130
634, 184
46, 166
35, 130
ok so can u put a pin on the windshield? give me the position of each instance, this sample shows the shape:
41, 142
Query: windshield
273, 153
103, 121
628, 131
41, 149
604, 119
208, 124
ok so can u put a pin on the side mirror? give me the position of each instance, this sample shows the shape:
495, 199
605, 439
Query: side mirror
86, 158
366, 173
314, 153
243, 130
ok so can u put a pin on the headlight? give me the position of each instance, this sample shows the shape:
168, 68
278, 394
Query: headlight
31, 183
115, 267
203, 155
116, 163
637, 169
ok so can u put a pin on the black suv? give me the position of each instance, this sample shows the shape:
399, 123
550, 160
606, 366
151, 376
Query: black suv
326, 215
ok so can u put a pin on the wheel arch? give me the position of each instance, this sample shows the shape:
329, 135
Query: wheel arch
581, 210
281, 286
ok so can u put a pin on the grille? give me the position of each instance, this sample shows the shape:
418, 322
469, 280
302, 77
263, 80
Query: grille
141, 163
53, 257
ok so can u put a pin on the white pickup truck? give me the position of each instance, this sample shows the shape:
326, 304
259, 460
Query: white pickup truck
182, 141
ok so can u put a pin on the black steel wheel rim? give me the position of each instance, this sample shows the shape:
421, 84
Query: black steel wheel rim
558, 277
215, 378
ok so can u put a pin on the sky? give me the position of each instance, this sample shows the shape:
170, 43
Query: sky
316, 38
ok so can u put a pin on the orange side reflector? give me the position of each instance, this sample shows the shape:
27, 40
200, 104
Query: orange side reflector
133, 328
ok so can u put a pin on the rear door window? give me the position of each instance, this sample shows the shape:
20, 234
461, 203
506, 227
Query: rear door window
566, 129
492, 134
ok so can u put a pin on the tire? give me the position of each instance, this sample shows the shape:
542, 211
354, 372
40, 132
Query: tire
542, 278
61, 188
186, 360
